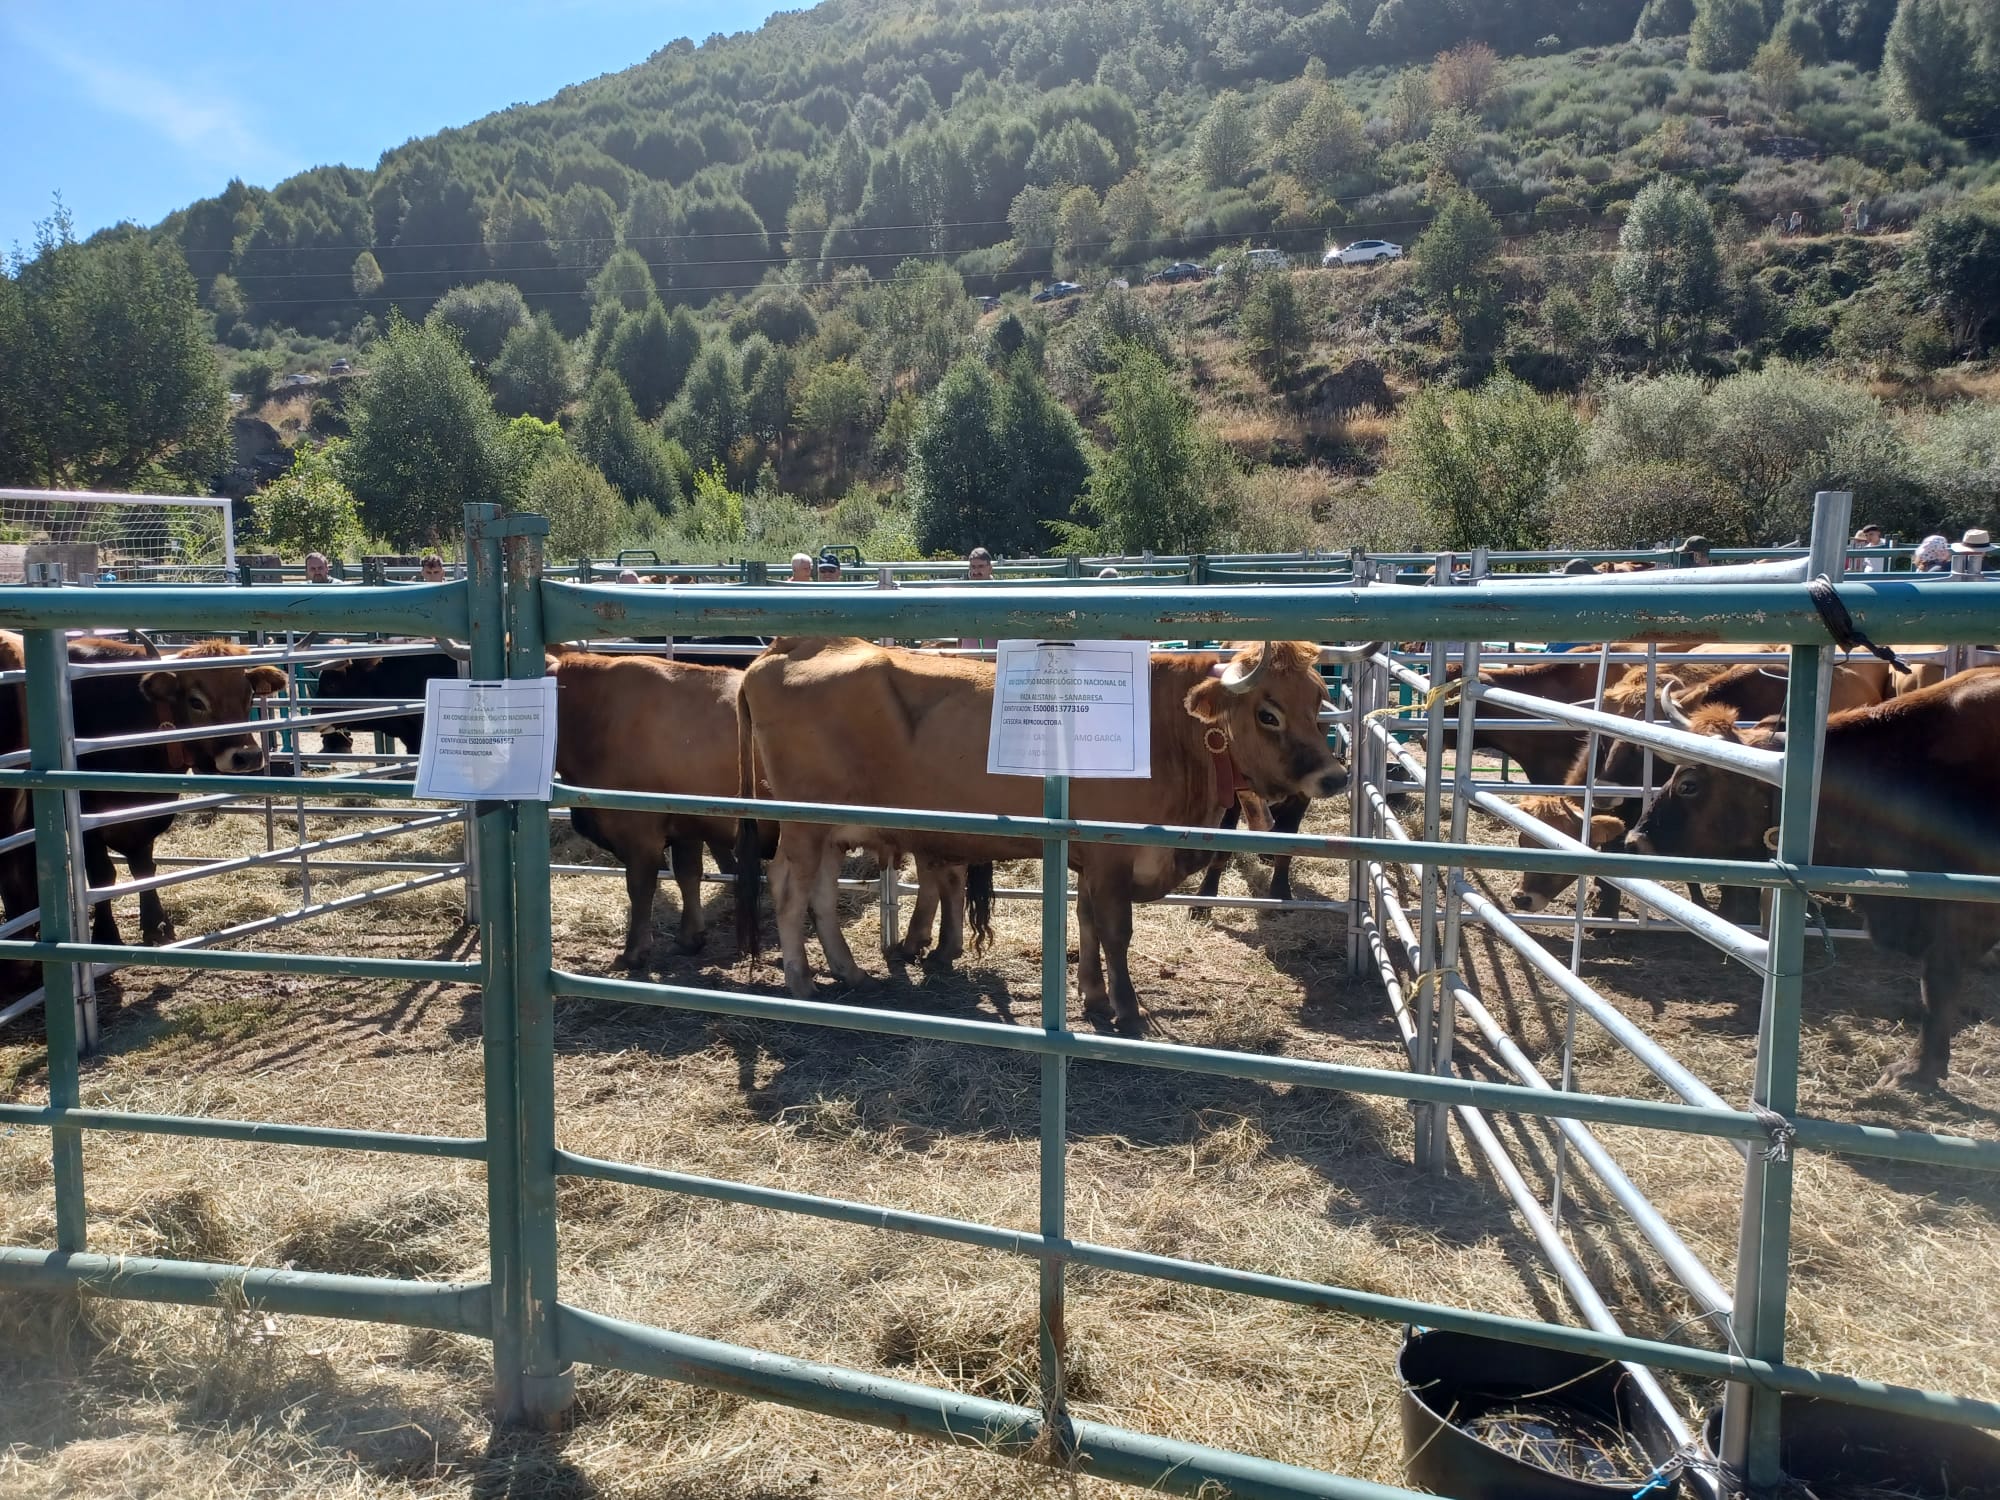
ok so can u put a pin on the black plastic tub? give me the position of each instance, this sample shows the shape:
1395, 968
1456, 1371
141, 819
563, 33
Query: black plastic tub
1487, 1420
1836, 1451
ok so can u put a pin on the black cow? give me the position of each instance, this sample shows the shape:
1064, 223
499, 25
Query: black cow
399, 679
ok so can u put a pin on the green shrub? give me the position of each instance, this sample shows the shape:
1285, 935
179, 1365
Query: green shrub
310, 509
1482, 464
1640, 504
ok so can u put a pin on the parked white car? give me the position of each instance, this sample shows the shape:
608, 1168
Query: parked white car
1268, 260
1361, 252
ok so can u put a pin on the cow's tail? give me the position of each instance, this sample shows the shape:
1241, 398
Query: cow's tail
749, 841
979, 905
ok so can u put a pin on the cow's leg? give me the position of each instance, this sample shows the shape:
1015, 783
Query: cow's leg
798, 847
949, 883
1211, 880
99, 871
686, 856
1114, 931
1089, 957
916, 937
155, 929
1286, 816
642, 882
825, 893
1944, 976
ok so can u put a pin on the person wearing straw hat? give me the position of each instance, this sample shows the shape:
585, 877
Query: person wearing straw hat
1972, 548
1870, 536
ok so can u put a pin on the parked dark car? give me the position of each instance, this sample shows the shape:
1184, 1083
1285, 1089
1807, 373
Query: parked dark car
988, 303
1173, 275
1055, 291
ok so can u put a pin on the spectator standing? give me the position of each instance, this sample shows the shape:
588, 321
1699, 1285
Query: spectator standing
319, 570
1694, 553
1933, 555
1968, 553
978, 569
431, 568
802, 567
1870, 536
829, 567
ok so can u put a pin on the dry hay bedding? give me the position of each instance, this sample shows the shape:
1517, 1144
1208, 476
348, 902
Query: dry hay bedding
1896, 1268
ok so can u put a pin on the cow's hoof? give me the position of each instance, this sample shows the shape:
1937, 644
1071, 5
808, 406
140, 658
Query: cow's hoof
1281, 891
693, 945
631, 960
1911, 1073
900, 954
1130, 1025
938, 961
1201, 914
159, 937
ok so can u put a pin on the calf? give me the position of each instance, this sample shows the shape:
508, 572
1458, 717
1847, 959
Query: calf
1909, 784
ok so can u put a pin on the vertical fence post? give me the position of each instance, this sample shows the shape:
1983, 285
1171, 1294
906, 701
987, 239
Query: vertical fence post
1427, 909
547, 1383
1750, 1427
1359, 678
46, 654
1446, 1009
492, 833
1051, 1324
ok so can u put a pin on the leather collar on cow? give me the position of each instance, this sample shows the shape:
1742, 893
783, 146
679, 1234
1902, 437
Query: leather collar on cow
1226, 779
178, 759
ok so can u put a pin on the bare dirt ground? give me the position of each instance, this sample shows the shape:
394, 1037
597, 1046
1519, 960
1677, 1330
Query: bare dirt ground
1897, 1270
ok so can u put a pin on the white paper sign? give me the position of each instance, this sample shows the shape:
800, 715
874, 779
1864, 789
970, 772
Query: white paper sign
1072, 708
488, 741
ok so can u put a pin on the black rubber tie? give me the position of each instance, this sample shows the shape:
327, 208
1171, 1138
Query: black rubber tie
1840, 624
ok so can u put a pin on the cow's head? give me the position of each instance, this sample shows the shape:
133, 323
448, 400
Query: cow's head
1566, 817
219, 695
1266, 704
344, 679
1702, 812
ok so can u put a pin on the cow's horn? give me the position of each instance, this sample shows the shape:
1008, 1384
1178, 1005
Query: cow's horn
1239, 681
1347, 656
454, 649
1675, 713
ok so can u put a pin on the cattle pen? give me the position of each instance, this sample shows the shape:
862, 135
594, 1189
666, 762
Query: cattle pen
507, 610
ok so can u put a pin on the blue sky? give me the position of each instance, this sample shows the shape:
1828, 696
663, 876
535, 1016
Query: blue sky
132, 108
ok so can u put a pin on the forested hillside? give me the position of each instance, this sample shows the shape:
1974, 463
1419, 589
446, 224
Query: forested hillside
709, 297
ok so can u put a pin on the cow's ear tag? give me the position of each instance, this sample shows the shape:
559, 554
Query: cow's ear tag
1771, 840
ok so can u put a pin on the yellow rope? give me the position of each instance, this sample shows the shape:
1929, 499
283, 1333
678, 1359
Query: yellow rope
1437, 697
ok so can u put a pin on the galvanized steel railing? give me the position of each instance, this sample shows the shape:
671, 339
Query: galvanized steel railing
538, 1338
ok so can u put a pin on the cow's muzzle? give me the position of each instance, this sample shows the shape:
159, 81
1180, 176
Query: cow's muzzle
1331, 783
240, 760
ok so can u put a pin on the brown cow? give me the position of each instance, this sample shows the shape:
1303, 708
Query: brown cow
641, 724
645, 724
845, 721
1910, 784
102, 706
